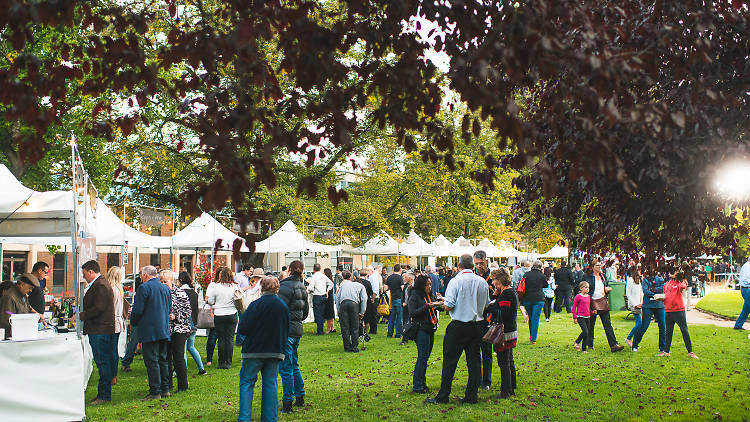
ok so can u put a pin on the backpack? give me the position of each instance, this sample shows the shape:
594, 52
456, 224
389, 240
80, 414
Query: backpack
521, 289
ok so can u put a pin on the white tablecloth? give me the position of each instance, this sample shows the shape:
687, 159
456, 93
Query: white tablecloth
44, 379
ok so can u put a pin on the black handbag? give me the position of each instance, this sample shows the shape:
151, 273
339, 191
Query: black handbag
410, 331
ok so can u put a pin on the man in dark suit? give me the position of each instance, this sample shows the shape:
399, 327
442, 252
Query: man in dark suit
150, 314
564, 292
98, 318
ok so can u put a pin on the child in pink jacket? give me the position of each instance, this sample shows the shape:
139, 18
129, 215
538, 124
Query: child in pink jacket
582, 314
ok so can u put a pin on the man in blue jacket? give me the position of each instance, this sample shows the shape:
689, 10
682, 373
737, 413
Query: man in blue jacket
265, 325
150, 314
651, 286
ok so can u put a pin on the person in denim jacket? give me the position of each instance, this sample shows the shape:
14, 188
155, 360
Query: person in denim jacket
652, 285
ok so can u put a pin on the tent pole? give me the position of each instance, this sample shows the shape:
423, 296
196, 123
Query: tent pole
171, 240
1, 262
74, 240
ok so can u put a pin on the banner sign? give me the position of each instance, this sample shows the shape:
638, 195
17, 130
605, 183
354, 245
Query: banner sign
150, 218
320, 234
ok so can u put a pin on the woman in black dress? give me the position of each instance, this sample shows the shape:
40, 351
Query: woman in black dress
328, 313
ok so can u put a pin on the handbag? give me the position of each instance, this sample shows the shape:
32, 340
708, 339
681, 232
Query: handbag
495, 334
410, 331
521, 290
205, 320
600, 304
384, 308
241, 302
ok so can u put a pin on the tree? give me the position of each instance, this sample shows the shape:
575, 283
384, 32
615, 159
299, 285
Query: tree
618, 109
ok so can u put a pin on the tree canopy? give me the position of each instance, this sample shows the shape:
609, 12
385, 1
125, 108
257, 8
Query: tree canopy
615, 114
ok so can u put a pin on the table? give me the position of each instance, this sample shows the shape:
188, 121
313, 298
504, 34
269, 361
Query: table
44, 379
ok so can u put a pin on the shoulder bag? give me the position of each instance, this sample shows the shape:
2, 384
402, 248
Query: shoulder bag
495, 334
600, 304
205, 320
521, 290
410, 330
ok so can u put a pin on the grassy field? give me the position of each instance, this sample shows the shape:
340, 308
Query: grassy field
728, 304
554, 382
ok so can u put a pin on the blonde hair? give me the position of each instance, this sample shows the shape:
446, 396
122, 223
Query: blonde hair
114, 277
502, 275
583, 284
166, 275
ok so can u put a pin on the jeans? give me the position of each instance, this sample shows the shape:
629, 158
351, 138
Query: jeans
583, 338
211, 344
507, 371
638, 322
102, 347
157, 367
291, 377
319, 307
396, 318
269, 369
225, 326
608, 330
658, 313
425, 340
349, 319
177, 361
486, 349
563, 297
461, 337
745, 308
127, 360
534, 309
547, 307
190, 347
678, 318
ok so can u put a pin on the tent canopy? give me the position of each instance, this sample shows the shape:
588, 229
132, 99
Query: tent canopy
557, 251
203, 233
288, 239
442, 246
491, 250
381, 244
463, 246
414, 245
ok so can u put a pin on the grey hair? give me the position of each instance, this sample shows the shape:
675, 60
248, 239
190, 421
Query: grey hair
466, 262
526, 263
428, 269
150, 270
480, 254
537, 265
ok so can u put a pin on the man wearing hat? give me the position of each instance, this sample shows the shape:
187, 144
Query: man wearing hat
16, 301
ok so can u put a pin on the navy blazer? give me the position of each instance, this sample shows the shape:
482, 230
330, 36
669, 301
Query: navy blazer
150, 314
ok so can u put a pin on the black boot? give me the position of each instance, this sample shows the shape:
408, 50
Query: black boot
300, 401
286, 407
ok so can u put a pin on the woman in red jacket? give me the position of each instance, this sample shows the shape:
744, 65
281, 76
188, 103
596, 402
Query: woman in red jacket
674, 308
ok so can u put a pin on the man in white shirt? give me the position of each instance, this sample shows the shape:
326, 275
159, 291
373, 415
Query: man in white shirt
744, 282
242, 278
319, 285
465, 299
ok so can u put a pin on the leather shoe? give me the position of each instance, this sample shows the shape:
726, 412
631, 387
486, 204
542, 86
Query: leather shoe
617, 348
150, 397
434, 400
467, 401
503, 395
300, 401
97, 402
165, 394
286, 407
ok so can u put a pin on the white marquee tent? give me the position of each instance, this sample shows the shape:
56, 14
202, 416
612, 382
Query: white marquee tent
203, 233
463, 246
382, 244
288, 239
557, 251
488, 247
442, 246
414, 245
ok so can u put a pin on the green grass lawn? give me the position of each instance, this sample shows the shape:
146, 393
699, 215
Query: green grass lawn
728, 304
554, 382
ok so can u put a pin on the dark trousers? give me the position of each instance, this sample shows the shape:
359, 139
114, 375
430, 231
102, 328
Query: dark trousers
425, 340
461, 337
104, 347
210, 345
486, 350
563, 296
658, 314
349, 320
604, 317
583, 338
225, 326
374, 318
547, 307
678, 318
319, 307
157, 368
406, 315
507, 371
127, 360
177, 360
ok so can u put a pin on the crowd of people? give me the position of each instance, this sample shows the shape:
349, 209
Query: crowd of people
264, 315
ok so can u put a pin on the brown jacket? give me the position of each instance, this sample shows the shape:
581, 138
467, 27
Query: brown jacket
15, 302
98, 313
